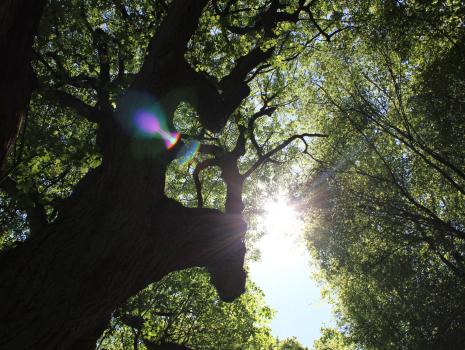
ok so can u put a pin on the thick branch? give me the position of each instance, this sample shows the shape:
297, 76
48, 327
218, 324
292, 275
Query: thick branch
101, 43
170, 42
165, 68
101, 39
234, 87
213, 101
239, 149
227, 162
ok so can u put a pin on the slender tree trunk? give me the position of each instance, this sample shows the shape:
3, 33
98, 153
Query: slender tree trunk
18, 25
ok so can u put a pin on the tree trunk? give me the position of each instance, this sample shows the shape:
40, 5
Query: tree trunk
116, 234
18, 25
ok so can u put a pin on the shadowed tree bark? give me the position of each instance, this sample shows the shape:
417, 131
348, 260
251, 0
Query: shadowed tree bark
18, 25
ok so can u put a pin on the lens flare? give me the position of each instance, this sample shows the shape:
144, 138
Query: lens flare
188, 151
171, 139
143, 118
147, 122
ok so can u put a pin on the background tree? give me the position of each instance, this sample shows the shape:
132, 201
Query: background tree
388, 196
332, 339
290, 344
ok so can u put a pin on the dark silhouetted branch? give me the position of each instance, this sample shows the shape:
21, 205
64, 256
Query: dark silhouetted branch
267, 156
251, 125
196, 174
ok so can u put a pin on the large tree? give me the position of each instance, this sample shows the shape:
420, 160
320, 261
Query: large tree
89, 184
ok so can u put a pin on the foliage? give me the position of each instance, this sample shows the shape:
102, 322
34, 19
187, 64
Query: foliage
289, 344
184, 309
332, 339
389, 193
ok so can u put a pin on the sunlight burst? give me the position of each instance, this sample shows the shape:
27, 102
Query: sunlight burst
281, 218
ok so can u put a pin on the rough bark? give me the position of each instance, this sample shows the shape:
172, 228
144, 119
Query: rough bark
18, 24
117, 233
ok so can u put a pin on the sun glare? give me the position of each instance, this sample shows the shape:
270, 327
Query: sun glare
282, 229
281, 218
